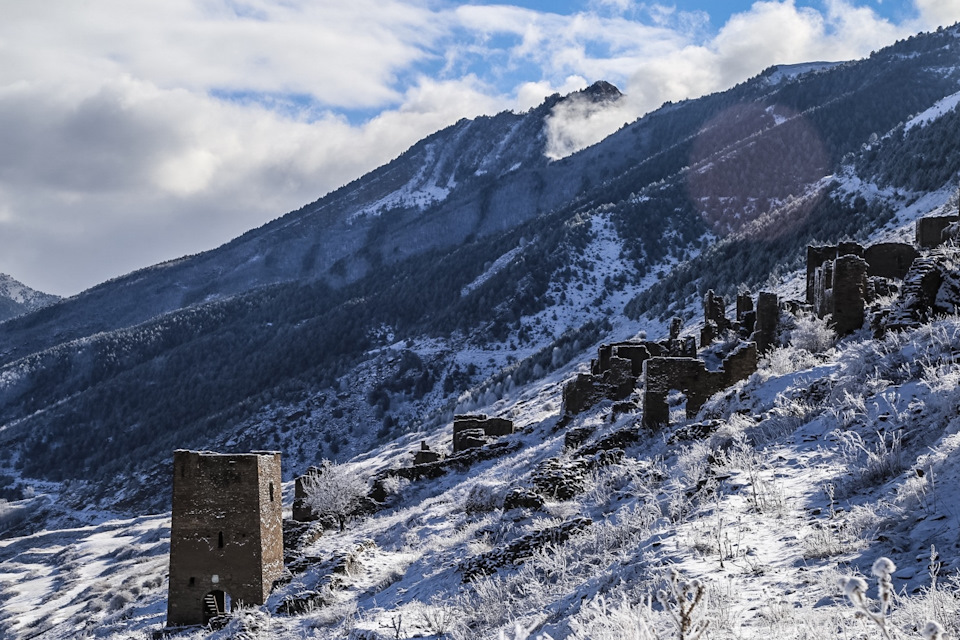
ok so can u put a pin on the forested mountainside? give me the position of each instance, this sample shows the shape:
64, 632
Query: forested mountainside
468, 266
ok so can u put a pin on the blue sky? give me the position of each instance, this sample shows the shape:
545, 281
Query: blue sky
132, 133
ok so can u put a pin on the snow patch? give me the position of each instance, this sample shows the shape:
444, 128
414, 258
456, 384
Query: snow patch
498, 265
938, 110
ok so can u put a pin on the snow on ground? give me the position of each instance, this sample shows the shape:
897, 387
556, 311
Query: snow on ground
498, 265
790, 71
820, 463
70, 582
939, 109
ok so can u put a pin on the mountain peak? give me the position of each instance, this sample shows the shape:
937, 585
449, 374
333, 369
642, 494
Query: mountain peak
601, 91
16, 298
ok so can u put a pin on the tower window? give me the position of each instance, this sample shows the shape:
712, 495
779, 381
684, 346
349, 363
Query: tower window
220, 540
271, 492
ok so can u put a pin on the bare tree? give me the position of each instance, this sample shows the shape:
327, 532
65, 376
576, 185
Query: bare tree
334, 490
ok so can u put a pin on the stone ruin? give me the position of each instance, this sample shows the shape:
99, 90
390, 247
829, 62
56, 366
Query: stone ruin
226, 534
613, 374
715, 321
425, 455
301, 510
758, 323
933, 231
842, 279
619, 367
691, 377
470, 431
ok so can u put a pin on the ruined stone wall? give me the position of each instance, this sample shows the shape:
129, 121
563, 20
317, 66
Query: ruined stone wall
301, 511
472, 430
226, 531
848, 298
930, 230
889, 260
634, 353
690, 376
767, 321
818, 256
661, 375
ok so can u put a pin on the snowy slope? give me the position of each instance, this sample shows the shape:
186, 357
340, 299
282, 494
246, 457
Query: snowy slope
16, 298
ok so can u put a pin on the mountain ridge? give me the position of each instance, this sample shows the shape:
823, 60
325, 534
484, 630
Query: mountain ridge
630, 222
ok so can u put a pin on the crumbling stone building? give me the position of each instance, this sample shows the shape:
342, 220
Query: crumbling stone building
425, 455
471, 431
842, 279
930, 231
301, 510
226, 535
691, 377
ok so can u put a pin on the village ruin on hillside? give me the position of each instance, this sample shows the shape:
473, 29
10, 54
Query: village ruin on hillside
230, 546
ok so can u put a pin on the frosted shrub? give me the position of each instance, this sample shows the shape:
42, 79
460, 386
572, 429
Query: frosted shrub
483, 498
785, 360
871, 464
682, 603
335, 491
599, 620
394, 485
855, 589
812, 334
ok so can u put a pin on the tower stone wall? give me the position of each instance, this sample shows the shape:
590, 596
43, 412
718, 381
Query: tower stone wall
226, 534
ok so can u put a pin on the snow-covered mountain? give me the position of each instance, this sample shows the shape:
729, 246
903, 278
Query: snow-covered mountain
16, 298
475, 274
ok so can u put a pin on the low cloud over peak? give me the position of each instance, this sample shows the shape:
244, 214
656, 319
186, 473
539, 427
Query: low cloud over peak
131, 134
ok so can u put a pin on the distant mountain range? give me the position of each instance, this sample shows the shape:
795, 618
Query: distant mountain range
470, 265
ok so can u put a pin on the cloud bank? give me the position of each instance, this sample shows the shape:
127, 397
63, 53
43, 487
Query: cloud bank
132, 133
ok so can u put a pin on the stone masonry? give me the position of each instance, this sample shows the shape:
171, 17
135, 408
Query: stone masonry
767, 321
226, 536
301, 510
930, 230
471, 431
690, 376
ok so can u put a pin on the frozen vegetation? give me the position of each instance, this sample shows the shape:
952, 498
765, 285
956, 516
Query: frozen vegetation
832, 455
818, 498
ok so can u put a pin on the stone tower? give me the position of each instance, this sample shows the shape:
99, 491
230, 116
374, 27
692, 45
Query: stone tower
226, 534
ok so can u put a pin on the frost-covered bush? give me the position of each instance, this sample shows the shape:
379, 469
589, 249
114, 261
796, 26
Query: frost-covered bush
599, 619
812, 334
871, 464
334, 491
785, 360
483, 497
394, 485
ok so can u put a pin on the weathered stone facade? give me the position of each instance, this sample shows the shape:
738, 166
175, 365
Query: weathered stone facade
842, 279
690, 376
840, 291
889, 260
715, 320
818, 257
474, 431
931, 228
226, 534
301, 510
767, 321
425, 455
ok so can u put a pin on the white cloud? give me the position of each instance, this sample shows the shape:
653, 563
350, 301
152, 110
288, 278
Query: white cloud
934, 13
115, 151
769, 33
